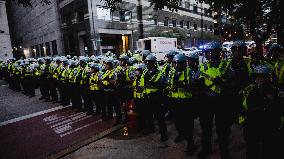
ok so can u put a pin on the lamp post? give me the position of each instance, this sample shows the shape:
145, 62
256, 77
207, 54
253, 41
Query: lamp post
140, 19
201, 5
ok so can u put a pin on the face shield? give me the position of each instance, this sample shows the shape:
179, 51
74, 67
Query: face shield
150, 64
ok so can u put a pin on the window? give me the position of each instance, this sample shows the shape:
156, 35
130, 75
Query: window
209, 13
104, 13
81, 16
37, 52
205, 27
125, 16
195, 26
195, 8
181, 24
47, 46
54, 47
205, 11
174, 22
186, 4
41, 53
188, 25
33, 51
166, 21
211, 28
155, 20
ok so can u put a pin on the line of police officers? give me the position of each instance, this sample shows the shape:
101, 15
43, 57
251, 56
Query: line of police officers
221, 91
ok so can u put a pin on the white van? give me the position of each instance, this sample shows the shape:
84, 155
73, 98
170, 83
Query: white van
226, 46
157, 45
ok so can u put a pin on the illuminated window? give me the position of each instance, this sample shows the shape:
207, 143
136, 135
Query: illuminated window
104, 13
124, 39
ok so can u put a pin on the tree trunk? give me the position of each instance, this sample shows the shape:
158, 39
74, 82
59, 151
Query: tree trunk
280, 30
255, 37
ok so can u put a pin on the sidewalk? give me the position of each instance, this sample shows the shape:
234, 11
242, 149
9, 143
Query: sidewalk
137, 146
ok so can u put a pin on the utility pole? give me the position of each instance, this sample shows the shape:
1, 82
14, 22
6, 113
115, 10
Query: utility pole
202, 24
140, 19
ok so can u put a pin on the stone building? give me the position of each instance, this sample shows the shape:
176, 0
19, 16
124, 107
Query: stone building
35, 30
86, 27
118, 31
5, 41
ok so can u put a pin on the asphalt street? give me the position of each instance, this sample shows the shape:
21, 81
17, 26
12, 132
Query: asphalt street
16, 104
123, 143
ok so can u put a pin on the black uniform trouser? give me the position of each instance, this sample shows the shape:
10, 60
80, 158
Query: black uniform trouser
44, 87
53, 89
83, 95
65, 93
75, 96
17, 83
261, 143
94, 97
155, 110
140, 112
183, 112
11, 81
88, 102
60, 90
124, 98
206, 114
111, 102
30, 85
98, 98
225, 115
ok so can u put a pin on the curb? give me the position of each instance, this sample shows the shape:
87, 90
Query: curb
84, 142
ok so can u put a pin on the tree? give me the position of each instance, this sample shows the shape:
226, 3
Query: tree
261, 17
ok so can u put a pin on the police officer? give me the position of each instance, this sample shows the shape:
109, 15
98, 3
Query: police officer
182, 108
110, 97
29, 79
276, 59
261, 113
54, 70
17, 73
40, 77
46, 75
138, 87
2, 69
94, 93
154, 84
64, 83
210, 78
73, 86
235, 78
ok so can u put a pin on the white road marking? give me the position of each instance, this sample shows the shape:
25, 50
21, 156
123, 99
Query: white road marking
80, 128
78, 116
31, 115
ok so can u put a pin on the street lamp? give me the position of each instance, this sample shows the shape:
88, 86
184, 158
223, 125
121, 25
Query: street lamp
201, 24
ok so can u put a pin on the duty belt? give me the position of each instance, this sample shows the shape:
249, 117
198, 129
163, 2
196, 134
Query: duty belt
150, 90
94, 87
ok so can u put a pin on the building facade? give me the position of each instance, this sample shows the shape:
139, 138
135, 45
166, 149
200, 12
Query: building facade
5, 41
86, 27
118, 31
35, 31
